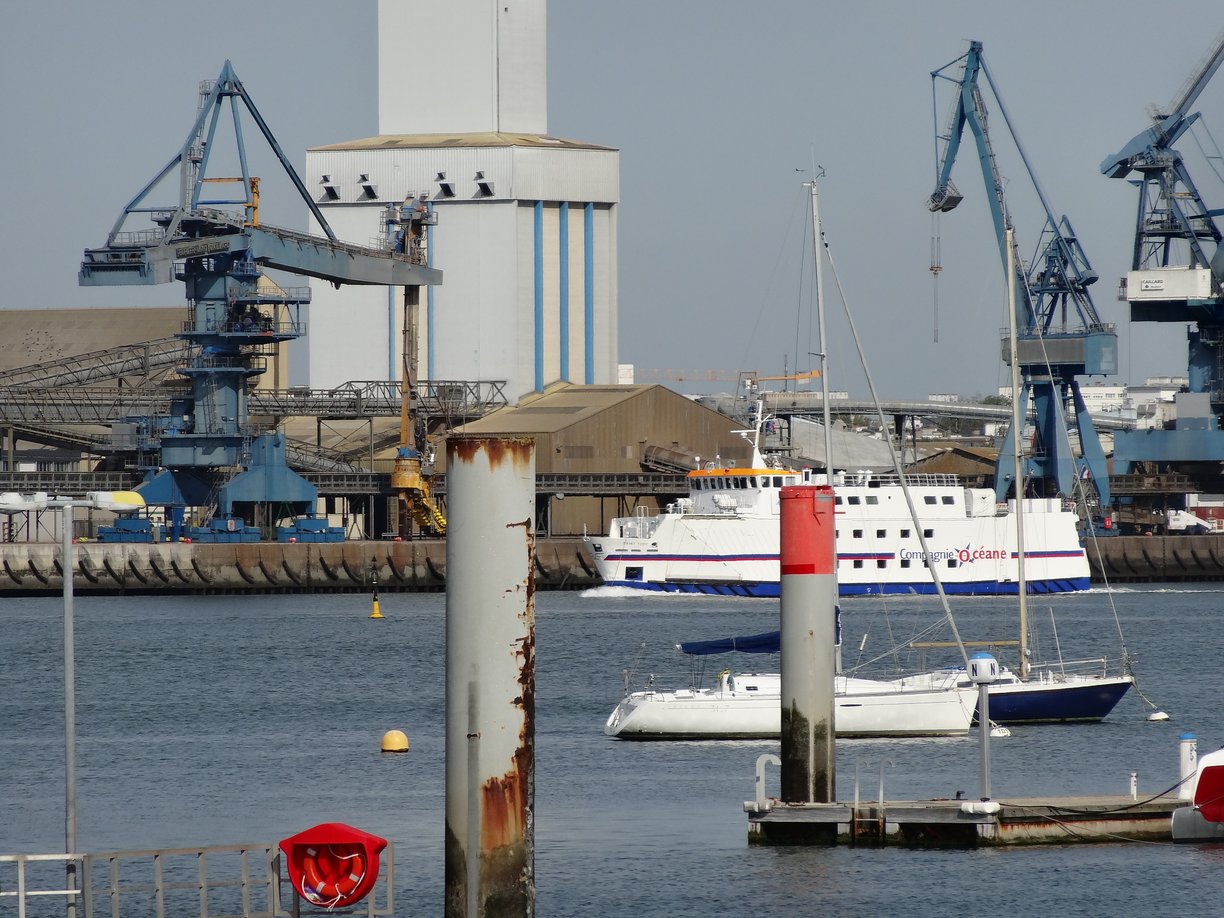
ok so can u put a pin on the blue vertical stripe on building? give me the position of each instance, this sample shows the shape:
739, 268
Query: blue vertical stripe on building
563, 233
588, 292
539, 296
430, 241
390, 334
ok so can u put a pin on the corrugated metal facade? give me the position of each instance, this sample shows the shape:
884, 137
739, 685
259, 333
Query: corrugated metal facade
606, 430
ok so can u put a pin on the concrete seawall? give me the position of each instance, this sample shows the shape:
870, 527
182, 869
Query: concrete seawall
265, 567
34, 568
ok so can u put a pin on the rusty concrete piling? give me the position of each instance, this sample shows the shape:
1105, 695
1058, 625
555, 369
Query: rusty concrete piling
490, 678
808, 596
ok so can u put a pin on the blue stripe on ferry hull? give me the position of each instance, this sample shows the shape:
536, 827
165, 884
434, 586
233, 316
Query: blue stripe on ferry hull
764, 590
1065, 704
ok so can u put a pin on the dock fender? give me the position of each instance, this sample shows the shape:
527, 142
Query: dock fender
88, 571
539, 566
242, 571
268, 575
327, 571
356, 578
136, 572
13, 575
157, 571
38, 575
434, 571
117, 576
397, 572
195, 566
586, 567
289, 572
174, 566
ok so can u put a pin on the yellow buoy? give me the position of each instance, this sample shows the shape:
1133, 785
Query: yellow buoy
376, 613
395, 741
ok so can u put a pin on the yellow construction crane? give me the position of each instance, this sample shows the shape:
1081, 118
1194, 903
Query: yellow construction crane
409, 480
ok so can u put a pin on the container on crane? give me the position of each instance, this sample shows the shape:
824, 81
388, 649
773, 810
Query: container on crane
1060, 335
210, 457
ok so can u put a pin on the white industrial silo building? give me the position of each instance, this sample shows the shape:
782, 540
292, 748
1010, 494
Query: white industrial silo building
526, 223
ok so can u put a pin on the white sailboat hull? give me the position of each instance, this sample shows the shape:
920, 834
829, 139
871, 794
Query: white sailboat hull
749, 706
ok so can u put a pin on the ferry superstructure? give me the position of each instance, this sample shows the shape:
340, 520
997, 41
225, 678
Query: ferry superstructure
723, 537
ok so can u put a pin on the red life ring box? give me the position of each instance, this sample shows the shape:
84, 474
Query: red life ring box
332, 864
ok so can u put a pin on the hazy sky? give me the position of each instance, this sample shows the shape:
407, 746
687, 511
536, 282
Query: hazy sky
714, 107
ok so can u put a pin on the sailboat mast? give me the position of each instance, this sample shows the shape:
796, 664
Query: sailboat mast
1017, 450
817, 241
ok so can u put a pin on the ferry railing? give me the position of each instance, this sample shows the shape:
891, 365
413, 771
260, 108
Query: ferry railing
219, 881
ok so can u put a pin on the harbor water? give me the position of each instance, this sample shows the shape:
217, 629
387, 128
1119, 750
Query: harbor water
216, 720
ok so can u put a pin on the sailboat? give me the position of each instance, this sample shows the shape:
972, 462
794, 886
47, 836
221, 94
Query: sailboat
749, 705
1044, 693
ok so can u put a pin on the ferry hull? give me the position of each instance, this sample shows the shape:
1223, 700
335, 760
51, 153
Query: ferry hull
765, 589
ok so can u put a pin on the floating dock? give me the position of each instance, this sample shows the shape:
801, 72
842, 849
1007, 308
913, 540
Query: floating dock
963, 823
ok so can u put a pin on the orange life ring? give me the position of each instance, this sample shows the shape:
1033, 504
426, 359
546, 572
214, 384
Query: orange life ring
332, 872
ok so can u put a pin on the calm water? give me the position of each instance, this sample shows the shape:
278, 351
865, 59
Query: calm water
216, 720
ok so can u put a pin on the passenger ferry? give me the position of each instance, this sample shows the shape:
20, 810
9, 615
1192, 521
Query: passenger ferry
723, 537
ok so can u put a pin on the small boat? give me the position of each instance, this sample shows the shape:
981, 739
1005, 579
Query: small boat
1203, 819
749, 705
1050, 694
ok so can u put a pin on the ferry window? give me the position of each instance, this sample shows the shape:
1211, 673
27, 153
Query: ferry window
905, 533
858, 533
951, 562
880, 562
928, 499
735, 483
905, 562
928, 533
855, 500
777, 481
858, 563
837, 501
633, 573
948, 499
744, 483
881, 533
872, 499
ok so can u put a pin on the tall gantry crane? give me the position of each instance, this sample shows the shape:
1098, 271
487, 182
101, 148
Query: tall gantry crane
214, 242
1177, 275
1060, 336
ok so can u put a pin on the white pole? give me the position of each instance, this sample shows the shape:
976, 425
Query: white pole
490, 677
1188, 765
1017, 451
70, 842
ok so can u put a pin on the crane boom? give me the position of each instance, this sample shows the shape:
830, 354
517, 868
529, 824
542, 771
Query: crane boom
1060, 334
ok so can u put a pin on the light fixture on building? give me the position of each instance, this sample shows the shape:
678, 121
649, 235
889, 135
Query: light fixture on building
485, 185
445, 189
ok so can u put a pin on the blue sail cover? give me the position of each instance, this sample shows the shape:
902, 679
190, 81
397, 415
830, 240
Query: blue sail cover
766, 642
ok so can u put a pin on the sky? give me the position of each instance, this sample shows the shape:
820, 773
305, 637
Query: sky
720, 111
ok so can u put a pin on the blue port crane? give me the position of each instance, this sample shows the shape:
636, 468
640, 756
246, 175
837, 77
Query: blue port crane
210, 237
1060, 336
1177, 275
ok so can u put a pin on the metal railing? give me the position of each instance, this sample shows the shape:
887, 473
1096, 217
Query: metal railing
219, 881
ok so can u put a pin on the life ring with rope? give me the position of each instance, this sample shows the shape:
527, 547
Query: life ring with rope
332, 873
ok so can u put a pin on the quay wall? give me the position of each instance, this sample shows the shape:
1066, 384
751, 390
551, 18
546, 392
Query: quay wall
34, 568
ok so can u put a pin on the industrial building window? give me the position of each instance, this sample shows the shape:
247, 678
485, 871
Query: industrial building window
580, 452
